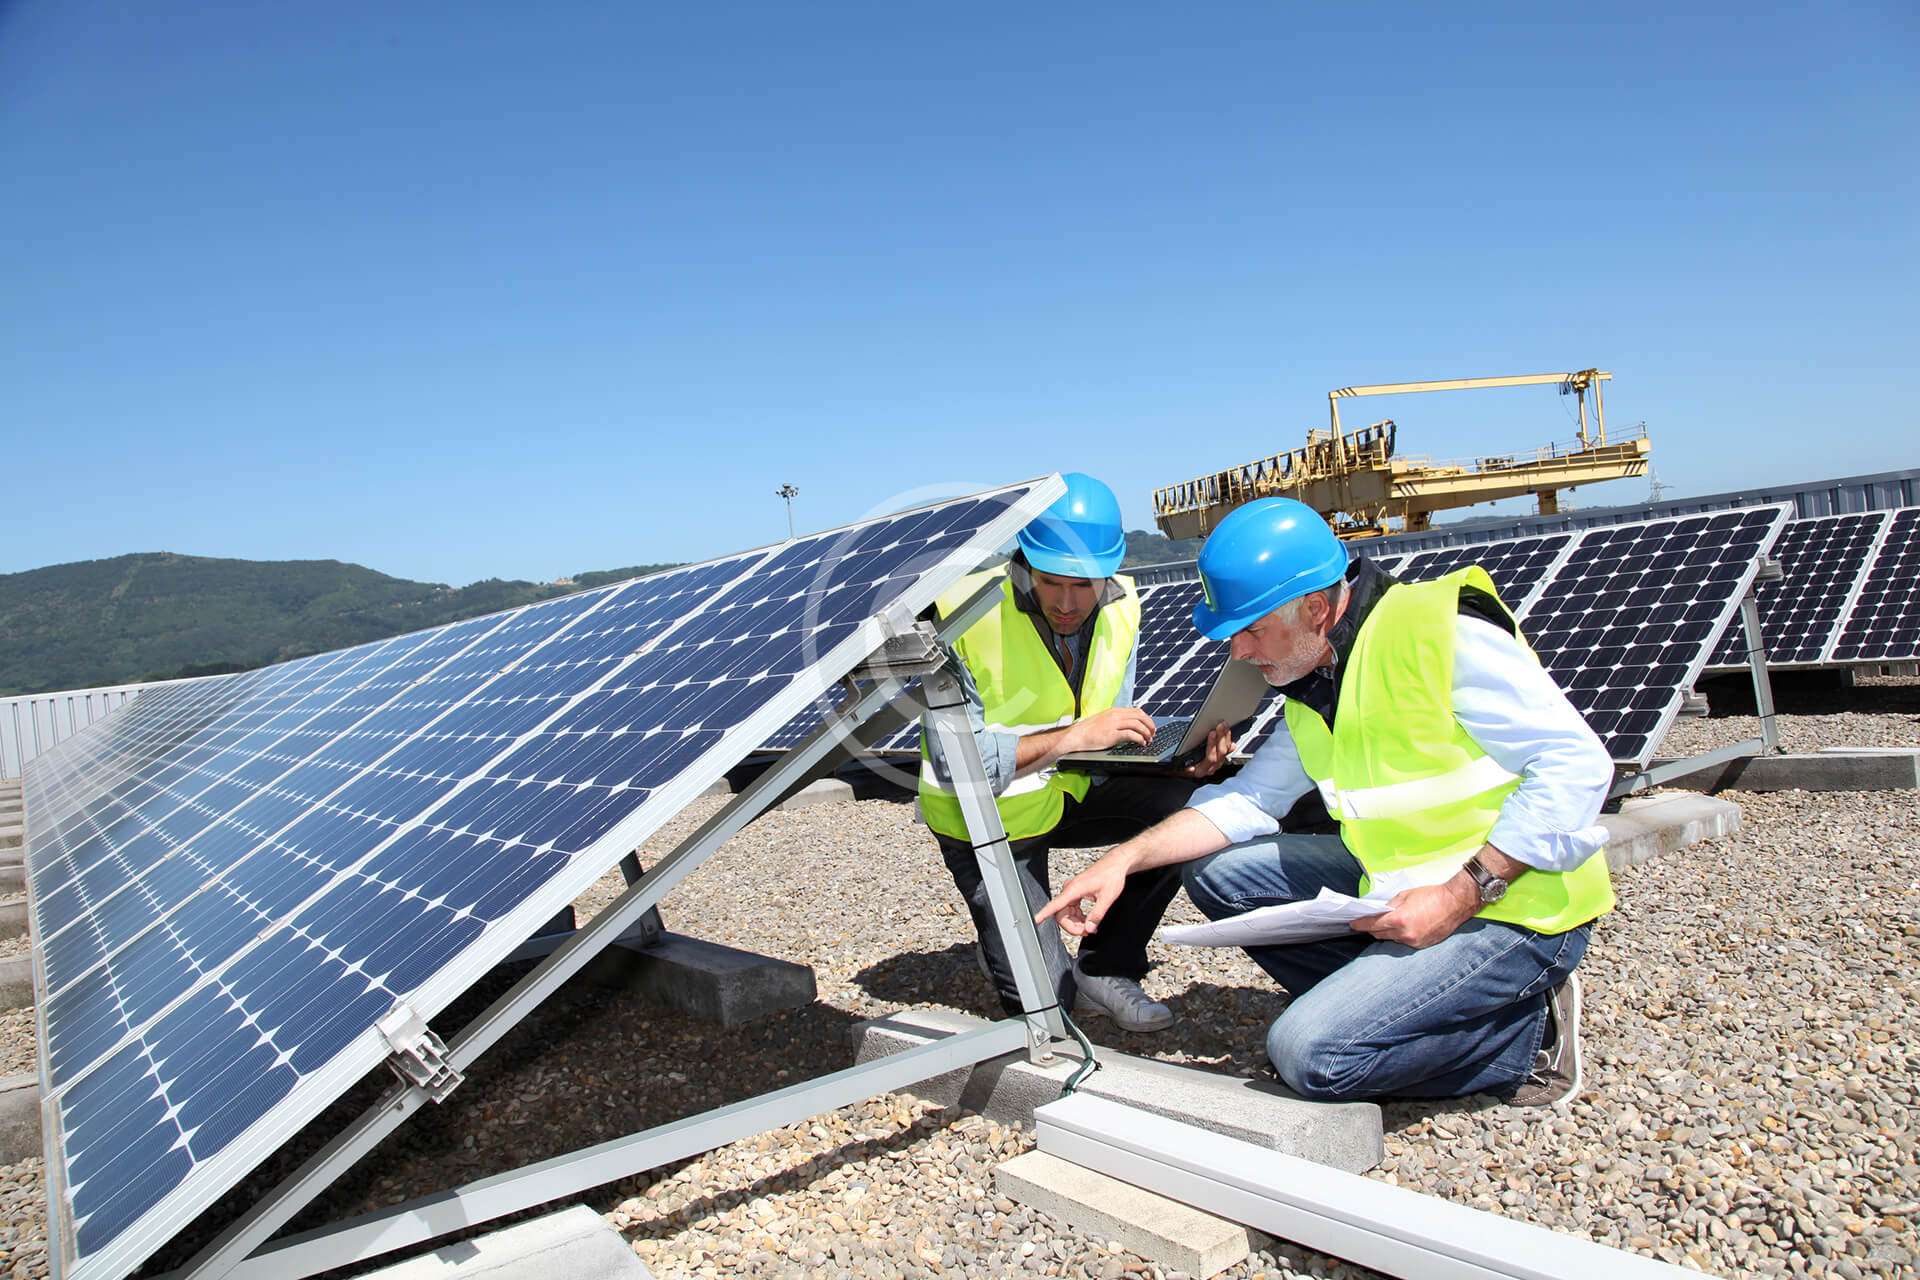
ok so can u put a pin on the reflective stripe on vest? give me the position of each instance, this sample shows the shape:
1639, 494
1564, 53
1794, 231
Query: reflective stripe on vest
1023, 691
1408, 785
1399, 799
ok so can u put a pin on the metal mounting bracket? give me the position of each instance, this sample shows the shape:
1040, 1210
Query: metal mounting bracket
419, 1056
913, 652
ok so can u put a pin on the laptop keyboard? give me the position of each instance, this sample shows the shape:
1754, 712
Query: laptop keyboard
1165, 739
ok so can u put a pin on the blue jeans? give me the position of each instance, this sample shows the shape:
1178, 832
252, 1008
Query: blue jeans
1371, 1018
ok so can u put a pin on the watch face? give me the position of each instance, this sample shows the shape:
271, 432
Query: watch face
1494, 890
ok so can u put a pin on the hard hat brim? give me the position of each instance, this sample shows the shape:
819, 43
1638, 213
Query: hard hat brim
1073, 565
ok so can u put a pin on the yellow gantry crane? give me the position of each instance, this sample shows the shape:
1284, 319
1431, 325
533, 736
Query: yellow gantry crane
1356, 480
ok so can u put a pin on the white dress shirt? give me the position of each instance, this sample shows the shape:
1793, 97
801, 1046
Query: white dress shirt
1511, 707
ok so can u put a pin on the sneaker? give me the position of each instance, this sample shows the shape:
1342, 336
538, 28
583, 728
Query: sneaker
1122, 1000
1556, 1070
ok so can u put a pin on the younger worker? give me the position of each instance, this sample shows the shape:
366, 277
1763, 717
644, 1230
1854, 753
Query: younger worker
1049, 672
1440, 745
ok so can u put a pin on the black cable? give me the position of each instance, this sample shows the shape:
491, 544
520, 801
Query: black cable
1088, 1063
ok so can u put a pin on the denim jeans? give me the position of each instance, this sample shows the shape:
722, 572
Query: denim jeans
1371, 1018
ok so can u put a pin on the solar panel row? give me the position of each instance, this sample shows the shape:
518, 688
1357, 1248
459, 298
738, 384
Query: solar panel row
1621, 614
1824, 561
1883, 622
232, 882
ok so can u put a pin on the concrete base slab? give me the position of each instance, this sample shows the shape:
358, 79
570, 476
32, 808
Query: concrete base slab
1345, 1135
16, 982
1835, 769
1176, 1236
13, 918
825, 791
13, 879
706, 979
1650, 826
14, 857
19, 1118
573, 1244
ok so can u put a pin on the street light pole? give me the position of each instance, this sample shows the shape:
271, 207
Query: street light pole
788, 492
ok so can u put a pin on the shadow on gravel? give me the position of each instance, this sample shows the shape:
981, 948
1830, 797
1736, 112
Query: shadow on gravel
946, 977
1809, 693
788, 1180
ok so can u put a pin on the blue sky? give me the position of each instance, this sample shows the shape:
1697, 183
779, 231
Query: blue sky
466, 290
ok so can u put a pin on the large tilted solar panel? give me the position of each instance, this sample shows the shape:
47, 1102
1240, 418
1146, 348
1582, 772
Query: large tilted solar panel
1822, 561
1883, 624
231, 887
1629, 619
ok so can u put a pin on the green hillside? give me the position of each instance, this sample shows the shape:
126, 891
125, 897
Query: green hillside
1154, 548
158, 615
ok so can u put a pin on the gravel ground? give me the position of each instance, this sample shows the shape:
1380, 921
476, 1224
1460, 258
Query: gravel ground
1751, 1074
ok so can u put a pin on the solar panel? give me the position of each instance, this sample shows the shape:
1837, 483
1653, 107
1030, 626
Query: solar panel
1883, 622
1822, 561
235, 885
1628, 620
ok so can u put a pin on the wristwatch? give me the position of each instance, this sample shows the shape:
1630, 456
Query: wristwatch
1492, 887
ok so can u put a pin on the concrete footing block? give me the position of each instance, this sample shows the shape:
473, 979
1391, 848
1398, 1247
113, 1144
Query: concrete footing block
706, 979
1345, 1135
13, 918
13, 879
16, 982
573, 1244
19, 1118
824, 791
1178, 1237
1834, 769
1651, 826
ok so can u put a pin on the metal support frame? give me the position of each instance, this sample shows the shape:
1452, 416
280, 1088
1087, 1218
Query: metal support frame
237, 1251
1769, 739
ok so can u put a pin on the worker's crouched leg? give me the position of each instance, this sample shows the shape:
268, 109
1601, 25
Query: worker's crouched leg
1316, 1058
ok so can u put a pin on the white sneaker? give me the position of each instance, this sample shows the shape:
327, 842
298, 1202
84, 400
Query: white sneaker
1122, 1000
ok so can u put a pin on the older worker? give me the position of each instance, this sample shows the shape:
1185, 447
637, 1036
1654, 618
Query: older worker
1442, 748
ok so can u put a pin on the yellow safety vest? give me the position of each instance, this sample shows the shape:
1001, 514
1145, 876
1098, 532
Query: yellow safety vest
1022, 691
1404, 780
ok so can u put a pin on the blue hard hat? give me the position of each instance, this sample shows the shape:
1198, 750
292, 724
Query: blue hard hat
1261, 556
1080, 535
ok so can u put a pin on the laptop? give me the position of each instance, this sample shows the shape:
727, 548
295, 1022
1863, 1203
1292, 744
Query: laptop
1235, 696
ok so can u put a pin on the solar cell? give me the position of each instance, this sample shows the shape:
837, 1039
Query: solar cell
238, 884
1883, 624
1822, 559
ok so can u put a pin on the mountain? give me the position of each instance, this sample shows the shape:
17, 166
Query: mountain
157, 615
1153, 548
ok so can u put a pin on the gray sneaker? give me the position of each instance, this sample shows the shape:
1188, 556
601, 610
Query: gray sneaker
1556, 1070
1122, 1000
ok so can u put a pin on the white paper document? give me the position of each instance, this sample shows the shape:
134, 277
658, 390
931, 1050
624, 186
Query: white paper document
1330, 915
